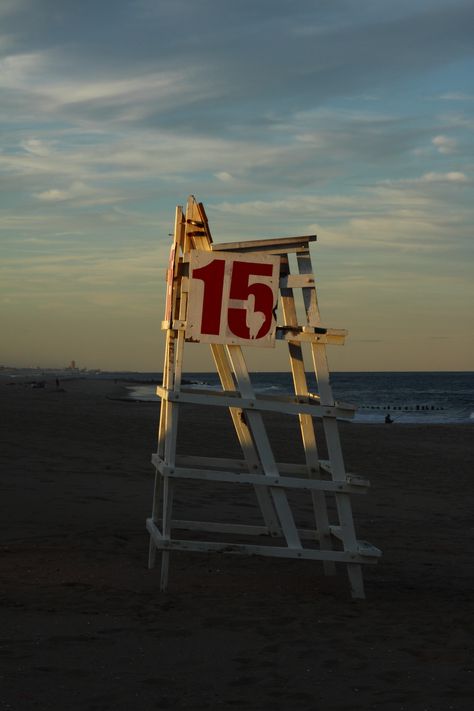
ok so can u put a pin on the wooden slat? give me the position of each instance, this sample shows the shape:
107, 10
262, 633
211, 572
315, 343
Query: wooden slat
171, 420
308, 436
263, 447
237, 529
277, 245
299, 335
225, 476
168, 375
296, 281
251, 549
268, 403
305, 534
239, 465
230, 464
329, 336
364, 548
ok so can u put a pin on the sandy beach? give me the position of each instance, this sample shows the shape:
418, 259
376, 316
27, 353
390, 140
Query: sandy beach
84, 626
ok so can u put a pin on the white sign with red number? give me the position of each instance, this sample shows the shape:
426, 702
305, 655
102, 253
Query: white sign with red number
232, 298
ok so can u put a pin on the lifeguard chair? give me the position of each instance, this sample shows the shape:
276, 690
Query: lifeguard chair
230, 296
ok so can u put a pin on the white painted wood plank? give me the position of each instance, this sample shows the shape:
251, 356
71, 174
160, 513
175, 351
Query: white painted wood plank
332, 337
290, 318
217, 527
166, 408
295, 281
267, 403
229, 464
239, 465
245, 438
173, 377
263, 447
328, 338
253, 549
272, 246
364, 548
238, 529
258, 479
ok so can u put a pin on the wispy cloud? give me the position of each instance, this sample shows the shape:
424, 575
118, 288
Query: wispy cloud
456, 96
36, 147
445, 144
37, 81
454, 176
404, 215
78, 192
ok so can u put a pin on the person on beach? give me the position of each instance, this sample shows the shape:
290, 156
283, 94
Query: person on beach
388, 419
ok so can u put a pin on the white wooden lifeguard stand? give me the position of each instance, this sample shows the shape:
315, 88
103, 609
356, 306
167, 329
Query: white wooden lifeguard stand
227, 295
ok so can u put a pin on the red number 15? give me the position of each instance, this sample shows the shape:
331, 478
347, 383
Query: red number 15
253, 322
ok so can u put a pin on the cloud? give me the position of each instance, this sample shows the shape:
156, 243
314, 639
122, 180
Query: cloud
451, 177
75, 190
457, 120
35, 146
155, 88
372, 200
406, 215
142, 69
36, 79
224, 176
80, 192
445, 144
17, 70
456, 96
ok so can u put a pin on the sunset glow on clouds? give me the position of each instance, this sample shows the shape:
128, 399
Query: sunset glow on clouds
351, 120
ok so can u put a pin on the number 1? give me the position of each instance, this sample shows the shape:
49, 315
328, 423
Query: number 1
213, 277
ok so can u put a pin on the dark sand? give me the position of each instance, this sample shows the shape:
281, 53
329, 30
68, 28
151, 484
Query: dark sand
84, 626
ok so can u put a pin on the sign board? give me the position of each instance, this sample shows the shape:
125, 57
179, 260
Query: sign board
232, 298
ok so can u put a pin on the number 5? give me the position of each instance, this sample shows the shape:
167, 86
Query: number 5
256, 320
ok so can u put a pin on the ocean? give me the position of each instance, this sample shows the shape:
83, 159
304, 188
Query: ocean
409, 398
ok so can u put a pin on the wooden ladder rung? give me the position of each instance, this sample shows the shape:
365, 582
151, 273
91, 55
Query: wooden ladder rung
278, 481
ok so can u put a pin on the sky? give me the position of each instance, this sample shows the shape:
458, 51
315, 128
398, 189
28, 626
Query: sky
350, 119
